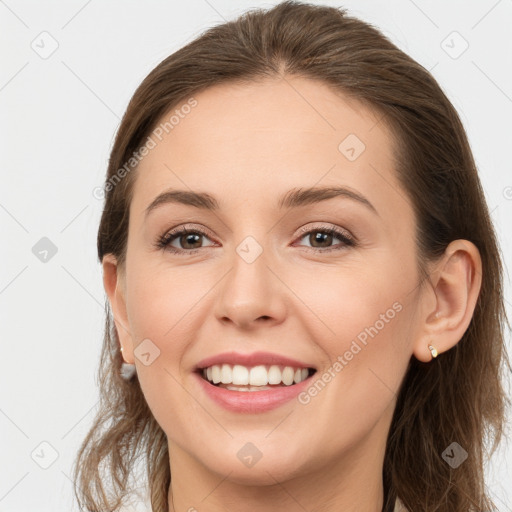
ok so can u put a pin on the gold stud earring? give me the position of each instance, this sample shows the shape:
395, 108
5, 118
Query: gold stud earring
433, 351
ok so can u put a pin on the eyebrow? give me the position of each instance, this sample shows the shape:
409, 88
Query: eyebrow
294, 198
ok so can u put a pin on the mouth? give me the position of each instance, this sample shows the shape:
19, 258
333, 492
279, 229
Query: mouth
252, 383
237, 377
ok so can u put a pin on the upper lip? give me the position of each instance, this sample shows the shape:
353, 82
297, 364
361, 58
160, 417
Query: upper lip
252, 359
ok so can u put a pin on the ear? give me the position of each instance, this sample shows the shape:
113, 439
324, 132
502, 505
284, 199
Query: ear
115, 286
456, 281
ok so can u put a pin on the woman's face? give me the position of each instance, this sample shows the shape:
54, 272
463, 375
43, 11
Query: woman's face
259, 282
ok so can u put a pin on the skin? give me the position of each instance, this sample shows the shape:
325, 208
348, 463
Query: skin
247, 145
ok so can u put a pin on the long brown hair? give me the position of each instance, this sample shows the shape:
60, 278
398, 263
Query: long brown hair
459, 397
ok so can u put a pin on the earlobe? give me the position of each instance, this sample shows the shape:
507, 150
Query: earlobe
456, 282
113, 282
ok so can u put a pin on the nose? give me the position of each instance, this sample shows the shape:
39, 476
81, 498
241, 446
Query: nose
251, 295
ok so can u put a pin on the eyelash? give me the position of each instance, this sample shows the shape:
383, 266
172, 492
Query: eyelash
165, 240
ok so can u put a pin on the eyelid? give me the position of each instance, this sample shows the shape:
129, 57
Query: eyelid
164, 241
326, 227
347, 239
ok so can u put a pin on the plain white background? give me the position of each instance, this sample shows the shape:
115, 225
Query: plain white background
68, 71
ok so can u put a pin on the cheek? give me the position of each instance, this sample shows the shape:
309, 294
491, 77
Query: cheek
360, 322
162, 307
161, 302
348, 300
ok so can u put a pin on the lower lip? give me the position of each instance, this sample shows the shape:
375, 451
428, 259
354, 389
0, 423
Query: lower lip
251, 401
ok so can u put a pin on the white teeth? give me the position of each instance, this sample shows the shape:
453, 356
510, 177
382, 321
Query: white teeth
288, 375
240, 375
258, 376
215, 374
226, 374
254, 378
248, 388
274, 375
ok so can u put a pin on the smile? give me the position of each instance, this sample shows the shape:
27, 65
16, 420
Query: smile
256, 378
252, 383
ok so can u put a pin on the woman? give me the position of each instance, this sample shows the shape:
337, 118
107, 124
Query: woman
304, 284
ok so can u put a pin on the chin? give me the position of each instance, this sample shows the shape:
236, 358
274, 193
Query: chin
248, 465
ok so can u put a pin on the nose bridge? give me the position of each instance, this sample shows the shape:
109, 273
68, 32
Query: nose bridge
250, 291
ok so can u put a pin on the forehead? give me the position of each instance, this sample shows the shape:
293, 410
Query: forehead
241, 140
289, 113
